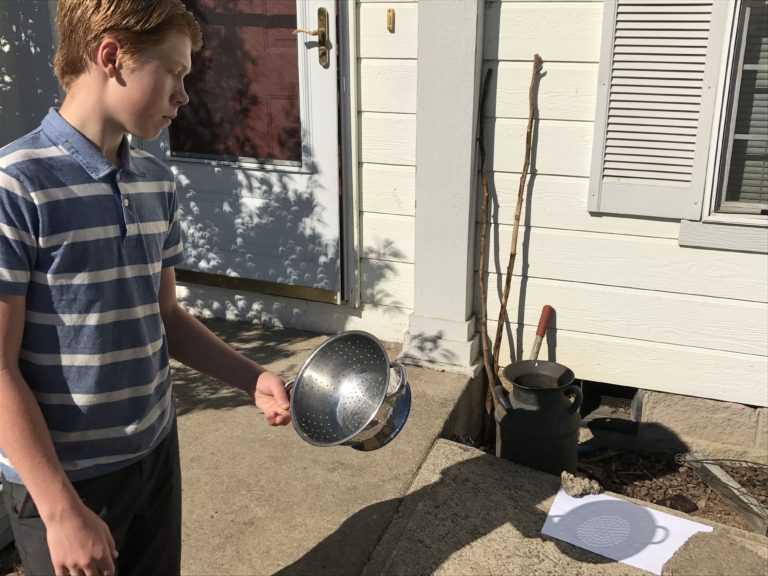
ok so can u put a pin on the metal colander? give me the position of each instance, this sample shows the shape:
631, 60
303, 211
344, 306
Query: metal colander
341, 388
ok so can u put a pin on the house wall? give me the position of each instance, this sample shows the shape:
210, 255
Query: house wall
388, 154
632, 306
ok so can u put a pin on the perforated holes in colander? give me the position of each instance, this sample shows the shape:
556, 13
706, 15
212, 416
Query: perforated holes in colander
353, 360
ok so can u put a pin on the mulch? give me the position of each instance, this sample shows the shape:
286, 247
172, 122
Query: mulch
660, 479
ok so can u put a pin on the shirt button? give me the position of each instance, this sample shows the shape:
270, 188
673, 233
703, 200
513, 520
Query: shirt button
125, 202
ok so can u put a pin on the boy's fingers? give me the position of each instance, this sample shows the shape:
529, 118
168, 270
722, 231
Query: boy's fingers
278, 418
281, 397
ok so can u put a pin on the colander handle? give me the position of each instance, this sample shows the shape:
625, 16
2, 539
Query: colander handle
289, 386
400, 369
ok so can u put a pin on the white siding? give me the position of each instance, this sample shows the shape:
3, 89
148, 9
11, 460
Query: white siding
563, 148
389, 189
632, 306
568, 91
387, 322
387, 63
388, 85
677, 369
567, 31
377, 42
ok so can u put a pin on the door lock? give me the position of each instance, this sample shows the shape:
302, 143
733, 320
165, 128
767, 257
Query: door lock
322, 36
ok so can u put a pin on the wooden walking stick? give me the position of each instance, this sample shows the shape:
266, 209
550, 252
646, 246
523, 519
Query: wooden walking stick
488, 361
537, 65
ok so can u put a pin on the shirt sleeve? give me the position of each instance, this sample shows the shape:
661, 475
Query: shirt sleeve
173, 248
18, 235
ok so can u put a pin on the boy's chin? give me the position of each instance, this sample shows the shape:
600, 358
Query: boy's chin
149, 135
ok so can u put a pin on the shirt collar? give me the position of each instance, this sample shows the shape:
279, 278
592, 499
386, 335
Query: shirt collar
84, 151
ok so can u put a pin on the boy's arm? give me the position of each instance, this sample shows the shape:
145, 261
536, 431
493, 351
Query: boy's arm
77, 538
192, 344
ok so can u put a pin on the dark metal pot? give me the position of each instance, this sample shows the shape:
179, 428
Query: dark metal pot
537, 422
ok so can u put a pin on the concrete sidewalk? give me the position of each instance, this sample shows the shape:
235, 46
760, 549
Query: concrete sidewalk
259, 500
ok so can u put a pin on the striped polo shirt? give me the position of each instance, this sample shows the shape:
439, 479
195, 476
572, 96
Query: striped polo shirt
85, 241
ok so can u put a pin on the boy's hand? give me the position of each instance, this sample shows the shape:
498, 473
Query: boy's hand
272, 399
80, 543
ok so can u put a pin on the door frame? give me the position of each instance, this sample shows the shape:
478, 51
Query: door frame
349, 151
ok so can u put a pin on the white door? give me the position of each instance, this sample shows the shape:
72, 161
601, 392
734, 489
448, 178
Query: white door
256, 152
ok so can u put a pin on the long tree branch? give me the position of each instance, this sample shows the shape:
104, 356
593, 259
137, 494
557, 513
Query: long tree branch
488, 361
537, 65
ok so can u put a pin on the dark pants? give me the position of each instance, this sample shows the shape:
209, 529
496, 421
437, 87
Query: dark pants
141, 504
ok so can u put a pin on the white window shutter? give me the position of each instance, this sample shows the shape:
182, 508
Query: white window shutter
656, 96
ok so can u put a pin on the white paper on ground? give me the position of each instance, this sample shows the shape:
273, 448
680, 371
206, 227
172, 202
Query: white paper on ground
620, 530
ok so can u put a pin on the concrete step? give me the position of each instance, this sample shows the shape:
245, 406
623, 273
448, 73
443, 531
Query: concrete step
468, 512
259, 500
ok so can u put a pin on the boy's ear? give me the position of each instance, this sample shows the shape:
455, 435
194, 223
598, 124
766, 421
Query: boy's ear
108, 57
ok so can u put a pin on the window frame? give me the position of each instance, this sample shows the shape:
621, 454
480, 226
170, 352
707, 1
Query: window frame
723, 230
648, 197
701, 226
715, 180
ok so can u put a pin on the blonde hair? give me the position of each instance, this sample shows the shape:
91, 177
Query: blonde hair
137, 25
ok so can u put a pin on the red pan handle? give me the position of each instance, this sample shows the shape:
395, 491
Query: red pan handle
543, 320
541, 330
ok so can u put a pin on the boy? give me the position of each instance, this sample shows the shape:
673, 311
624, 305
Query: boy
89, 235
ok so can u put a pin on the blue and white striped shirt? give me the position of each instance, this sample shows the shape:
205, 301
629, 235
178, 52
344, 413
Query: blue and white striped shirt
86, 241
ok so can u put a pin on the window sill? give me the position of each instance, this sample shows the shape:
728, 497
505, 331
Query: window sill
722, 236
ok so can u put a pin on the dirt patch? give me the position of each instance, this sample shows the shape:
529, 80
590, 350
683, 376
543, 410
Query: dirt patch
660, 479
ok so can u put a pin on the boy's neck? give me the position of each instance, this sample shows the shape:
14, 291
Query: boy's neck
87, 117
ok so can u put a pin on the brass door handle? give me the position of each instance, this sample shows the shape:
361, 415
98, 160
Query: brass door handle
322, 36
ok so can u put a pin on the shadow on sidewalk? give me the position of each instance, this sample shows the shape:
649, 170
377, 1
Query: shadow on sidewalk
471, 499
445, 528
267, 346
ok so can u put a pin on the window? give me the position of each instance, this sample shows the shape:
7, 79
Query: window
742, 181
244, 86
681, 127
658, 77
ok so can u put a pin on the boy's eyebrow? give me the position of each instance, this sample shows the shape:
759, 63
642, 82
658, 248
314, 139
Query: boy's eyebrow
184, 67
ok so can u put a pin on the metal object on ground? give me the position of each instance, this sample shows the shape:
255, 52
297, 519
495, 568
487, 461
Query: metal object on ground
343, 394
754, 513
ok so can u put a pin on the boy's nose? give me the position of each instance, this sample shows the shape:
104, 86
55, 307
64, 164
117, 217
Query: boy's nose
181, 97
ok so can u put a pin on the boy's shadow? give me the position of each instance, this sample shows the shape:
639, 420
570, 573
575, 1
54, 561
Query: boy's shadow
492, 491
